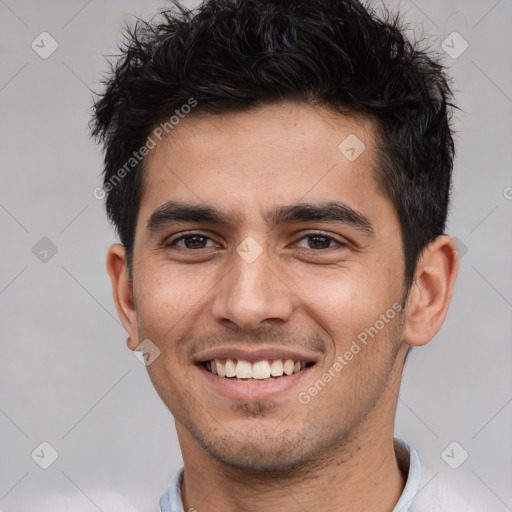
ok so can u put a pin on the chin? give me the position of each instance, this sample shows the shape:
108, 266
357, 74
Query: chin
262, 454
253, 460
264, 446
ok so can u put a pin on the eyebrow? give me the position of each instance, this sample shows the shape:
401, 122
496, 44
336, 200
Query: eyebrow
173, 212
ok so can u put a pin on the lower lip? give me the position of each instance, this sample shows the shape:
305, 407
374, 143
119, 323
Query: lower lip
252, 390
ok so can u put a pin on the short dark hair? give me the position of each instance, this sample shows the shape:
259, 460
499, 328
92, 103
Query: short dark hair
230, 55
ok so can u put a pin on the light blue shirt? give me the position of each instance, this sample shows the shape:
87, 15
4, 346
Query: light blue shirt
170, 501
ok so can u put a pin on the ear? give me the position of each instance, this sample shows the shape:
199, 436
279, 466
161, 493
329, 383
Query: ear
431, 291
122, 292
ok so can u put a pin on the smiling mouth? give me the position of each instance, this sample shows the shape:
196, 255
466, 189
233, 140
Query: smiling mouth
263, 370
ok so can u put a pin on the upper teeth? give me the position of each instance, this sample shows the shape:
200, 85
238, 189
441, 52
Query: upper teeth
263, 369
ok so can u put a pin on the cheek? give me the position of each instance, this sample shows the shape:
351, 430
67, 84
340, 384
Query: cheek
166, 315
343, 302
165, 302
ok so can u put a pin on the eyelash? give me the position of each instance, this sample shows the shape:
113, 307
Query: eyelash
191, 234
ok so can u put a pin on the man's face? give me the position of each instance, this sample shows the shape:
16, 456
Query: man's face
266, 286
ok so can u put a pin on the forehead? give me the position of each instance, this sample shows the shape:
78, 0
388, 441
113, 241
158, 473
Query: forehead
283, 153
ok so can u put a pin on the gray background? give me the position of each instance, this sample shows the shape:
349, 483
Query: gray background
66, 376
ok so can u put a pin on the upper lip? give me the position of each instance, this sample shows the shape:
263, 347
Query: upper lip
255, 354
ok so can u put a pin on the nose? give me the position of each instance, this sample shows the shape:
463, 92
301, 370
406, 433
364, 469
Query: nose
252, 293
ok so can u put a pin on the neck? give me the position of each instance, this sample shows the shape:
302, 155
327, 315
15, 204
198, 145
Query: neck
360, 473
368, 480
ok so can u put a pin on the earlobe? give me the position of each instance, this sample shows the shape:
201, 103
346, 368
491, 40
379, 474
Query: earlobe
431, 291
122, 292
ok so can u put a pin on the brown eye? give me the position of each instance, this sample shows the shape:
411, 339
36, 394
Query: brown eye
190, 241
319, 241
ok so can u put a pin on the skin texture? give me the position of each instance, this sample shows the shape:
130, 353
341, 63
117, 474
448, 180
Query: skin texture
299, 293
